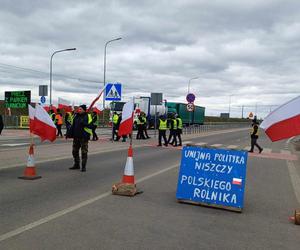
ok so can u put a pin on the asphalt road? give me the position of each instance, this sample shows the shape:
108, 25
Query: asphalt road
73, 210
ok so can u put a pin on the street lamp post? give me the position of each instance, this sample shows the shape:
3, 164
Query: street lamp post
190, 83
104, 70
55, 52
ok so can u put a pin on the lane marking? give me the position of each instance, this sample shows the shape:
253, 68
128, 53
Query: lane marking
232, 146
186, 142
286, 152
274, 156
216, 145
201, 144
63, 212
14, 144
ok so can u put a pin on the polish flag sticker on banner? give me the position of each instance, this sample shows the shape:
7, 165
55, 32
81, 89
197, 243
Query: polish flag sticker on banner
237, 181
31, 112
283, 122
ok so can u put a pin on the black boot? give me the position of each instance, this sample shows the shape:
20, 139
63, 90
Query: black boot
83, 164
75, 166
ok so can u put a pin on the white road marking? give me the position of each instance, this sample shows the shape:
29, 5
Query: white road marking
186, 142
201, 144
267, 150
72, 208
216, 145
232, 146
14, 144
286, 152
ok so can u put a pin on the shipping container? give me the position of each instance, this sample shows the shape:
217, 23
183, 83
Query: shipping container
195, 117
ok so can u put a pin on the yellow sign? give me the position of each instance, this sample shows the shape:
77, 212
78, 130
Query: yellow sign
24, 121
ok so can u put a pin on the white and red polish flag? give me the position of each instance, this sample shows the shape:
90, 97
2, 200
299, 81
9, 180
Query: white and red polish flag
126, 124
237, 181
42, 125
283, 122
31, 112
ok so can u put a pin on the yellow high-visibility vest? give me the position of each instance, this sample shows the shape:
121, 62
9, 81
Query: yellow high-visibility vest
90, 120
163, 125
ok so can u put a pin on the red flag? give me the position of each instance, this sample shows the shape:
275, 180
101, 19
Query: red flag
65, 107
95, 100
283, 122
96, 110
31, 112
127, 119
47, 108
43, 125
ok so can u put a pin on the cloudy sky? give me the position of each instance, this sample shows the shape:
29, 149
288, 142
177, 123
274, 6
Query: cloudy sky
244, 53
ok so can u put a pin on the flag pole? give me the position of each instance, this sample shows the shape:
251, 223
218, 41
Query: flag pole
131, 135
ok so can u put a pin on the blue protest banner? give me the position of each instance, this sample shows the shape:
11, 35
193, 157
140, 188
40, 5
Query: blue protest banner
113, 92
212, 176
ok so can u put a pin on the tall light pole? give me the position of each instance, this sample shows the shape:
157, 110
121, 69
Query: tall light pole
104, 70
55, 52
190, 83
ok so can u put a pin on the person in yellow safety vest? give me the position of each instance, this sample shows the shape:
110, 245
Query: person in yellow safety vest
52, 115
162, 129
95, 123
115, 119
173, 131
145, 125
59, 123
140, 124
179, 129
81, 131
254, 137
68, 121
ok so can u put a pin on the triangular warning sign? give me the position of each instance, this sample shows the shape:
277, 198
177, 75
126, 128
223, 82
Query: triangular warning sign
113, 93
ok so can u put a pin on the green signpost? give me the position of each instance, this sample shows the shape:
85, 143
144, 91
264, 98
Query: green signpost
17, 99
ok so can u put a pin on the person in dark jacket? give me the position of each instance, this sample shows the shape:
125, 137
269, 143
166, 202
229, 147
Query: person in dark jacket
173, 131
95, 122
162, 129
254, 137
1, 124
81, 131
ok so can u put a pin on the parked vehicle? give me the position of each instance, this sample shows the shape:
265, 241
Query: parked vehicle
194, 117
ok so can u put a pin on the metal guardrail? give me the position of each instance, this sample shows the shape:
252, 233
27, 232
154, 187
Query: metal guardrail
196, 129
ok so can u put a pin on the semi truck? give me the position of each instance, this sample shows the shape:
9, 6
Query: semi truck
194, 117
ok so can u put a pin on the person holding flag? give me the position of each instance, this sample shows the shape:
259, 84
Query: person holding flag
81, 131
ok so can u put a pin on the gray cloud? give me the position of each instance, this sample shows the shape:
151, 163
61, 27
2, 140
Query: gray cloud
249, 50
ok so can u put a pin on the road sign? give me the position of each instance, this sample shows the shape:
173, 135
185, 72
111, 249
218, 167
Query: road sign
113, 92
190, 107
190, 97
17, 99
215, 177
43, 99
156, 98
43, 90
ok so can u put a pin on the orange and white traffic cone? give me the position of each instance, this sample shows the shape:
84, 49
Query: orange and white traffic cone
29, 172
127, 186
128, 176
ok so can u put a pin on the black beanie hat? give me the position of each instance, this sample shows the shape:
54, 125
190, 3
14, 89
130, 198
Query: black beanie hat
83, 106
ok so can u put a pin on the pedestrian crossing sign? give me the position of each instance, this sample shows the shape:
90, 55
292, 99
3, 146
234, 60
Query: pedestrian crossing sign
113, 92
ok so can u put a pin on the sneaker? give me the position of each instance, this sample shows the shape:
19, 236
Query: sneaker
158, 145
249, 151
83, 170
261, 150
